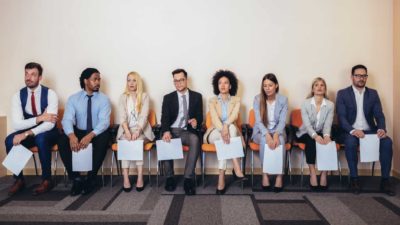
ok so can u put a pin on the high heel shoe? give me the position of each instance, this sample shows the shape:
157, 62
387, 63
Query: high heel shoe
237, 178
265, 188
127, 189
139, 189
278, 189
221, 192
313, 188
323, 188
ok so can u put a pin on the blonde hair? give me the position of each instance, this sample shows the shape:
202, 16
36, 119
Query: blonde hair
139, 89
312, 86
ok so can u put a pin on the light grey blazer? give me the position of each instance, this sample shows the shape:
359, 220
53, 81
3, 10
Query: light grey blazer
281, 108
309, 117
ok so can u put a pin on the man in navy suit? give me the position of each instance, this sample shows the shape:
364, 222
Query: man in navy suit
359, 112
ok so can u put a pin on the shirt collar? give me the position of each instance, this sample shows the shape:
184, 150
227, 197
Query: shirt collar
315, 104
185, 93
37, 91
356, 90
84, 93
219, 97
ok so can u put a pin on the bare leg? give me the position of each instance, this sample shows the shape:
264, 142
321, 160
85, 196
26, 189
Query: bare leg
323, 181
313, 175
139, 182
125, 173
221, 180
265, 180
236, 167
278, 180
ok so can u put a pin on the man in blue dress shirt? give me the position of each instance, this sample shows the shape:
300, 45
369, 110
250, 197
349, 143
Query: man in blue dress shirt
86, 120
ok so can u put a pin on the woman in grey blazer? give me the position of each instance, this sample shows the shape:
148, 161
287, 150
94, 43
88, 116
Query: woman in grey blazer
317, 115
133, 114
270, 109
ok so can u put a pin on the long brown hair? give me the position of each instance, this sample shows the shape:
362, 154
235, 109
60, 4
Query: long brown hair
264, 97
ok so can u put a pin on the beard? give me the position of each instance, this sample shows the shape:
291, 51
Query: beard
31, 84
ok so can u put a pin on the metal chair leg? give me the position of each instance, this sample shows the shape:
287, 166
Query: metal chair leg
203, 173
55, 168
302, 168
290, 165
149, 157
158, 165
34, 161
102, 174
340, 168
252, 169
373, 168
112, 165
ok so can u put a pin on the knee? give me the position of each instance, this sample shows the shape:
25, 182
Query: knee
351, 141
194, 139
41, 139
386, 145
233, 131
9, 141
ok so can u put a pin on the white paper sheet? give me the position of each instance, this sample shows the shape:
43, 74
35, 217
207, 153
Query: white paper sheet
273, 160
83, 159
17, 159
327, 156
171, 150
369, 148
229, 151
130, 150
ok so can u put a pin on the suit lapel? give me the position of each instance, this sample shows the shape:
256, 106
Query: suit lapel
277, 107
191, 103
365, 101
352, 96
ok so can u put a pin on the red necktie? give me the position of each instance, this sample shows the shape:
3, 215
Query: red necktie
34, 112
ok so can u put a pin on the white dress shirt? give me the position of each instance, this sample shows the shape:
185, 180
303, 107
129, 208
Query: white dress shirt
360, 123
271, 115
181, 114
17, 115
318, 113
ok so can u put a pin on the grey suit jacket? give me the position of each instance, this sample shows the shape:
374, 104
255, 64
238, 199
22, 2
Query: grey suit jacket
309, 117
281, 108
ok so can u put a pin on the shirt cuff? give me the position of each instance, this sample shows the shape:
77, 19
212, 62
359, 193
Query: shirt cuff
313, 135
351, 132
327, 135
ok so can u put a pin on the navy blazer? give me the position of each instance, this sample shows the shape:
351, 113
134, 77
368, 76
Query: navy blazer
170, 110
346, 109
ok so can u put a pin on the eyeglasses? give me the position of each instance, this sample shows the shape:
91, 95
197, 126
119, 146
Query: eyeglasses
179, 81
359, 76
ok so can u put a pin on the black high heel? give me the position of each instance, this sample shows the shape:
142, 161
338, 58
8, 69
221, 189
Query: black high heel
139, 189
127, 189
238, 179
221, 192
265, 188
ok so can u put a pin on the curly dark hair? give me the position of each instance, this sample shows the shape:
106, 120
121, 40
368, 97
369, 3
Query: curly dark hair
232, 80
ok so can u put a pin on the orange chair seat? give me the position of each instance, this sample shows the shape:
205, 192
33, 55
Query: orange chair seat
256, 147
301, 146
147, 146
35, 149
208, 148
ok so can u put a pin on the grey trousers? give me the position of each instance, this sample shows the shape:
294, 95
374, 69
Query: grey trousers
191, 140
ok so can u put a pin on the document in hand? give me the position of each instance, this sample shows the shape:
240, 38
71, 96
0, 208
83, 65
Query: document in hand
273, 160
369, 148
82, 160
17, 159
229, 151
327, 156
130, 150
171, 150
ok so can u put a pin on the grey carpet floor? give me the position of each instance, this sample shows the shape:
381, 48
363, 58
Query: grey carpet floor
110, 205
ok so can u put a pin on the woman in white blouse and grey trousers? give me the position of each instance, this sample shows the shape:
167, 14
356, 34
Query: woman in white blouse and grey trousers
317, 115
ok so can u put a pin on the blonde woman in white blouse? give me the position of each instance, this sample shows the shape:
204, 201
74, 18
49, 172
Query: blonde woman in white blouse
317, 115
133, 114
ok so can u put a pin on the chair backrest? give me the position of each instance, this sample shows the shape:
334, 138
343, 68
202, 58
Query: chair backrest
60, 115
209, 122
252, 118
111, 119
295, 118
152, 118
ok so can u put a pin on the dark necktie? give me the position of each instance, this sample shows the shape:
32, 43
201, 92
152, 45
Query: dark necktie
33, 103
89, 126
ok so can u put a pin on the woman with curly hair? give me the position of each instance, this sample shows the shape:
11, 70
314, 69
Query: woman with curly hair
224, 110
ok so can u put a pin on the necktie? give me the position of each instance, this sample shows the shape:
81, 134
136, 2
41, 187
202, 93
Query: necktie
34, 112
89, 126
184, 119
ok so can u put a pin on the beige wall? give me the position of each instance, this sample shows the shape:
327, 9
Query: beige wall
3, 133
297, 40
396, 78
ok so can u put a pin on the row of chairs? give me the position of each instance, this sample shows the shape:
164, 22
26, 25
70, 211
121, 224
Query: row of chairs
246, 130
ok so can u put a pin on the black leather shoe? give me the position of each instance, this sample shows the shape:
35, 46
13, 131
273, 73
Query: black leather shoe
355, 186
188, 185
77, 188
170, 184
266, 188
386, 187
89, 186
221, 192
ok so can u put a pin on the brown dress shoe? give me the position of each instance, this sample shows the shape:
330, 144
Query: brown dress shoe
44, 187
18, 186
